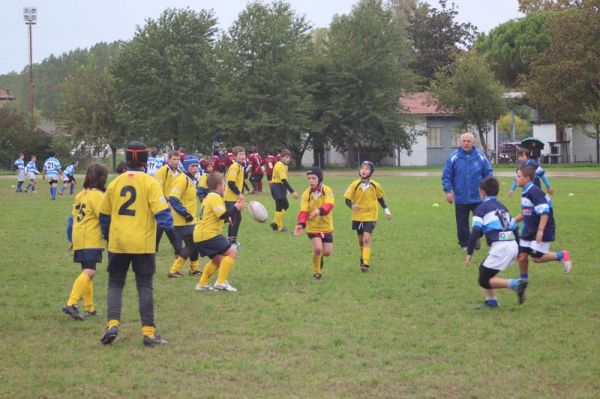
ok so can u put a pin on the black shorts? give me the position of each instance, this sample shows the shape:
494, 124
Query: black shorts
532, 252
183, 231
70, 179
278, 191
487, 273
217, 245
88, 255
52, 181
325, 237
362, 227
143, 264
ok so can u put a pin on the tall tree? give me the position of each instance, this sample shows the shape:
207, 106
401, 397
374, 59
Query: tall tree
511, 47
565, 77
88, 112
164, 78
472, 92
262, 97
368, 57
528, 6
437, 38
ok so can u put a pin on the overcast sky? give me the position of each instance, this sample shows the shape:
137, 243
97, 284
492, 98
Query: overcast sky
65, 25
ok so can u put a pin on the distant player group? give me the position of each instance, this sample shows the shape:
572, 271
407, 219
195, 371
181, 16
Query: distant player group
153, 196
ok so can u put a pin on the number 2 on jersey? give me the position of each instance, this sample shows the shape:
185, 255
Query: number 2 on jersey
124, 209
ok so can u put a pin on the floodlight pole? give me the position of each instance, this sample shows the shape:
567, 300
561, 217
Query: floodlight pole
30, 16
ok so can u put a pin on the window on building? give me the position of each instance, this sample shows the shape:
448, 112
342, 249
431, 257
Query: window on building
434, 136
455, 140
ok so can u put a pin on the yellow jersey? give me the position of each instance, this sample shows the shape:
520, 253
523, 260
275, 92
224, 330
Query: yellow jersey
312, 200
210, 223
280, 172
132, 200
87, 233
184, 189
366, 196
235, 173
203, 181
165, 177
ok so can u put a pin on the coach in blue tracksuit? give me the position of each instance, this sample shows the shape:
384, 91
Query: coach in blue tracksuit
465, 168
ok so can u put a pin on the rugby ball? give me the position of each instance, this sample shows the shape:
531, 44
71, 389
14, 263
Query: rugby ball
258, 211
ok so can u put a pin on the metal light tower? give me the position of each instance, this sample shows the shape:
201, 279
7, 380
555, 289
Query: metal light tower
30, 17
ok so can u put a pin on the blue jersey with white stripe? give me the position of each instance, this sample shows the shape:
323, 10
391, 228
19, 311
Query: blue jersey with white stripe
534, 204
32, 167
52, 167
19, 164
69, 171
154, 163
494, 220
540, 174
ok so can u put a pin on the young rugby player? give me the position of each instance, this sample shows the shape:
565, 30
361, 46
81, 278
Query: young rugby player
166, 176
31, 170
183, 202
202, 182
85, 239
209, 240
364, 196
492, 219
69, 178
53, 170
540, 173
316, 216
19, 165
539, 228
132, 207
155, 162
233, 192
279, 188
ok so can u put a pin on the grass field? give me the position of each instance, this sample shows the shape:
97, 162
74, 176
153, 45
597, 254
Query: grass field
409, 328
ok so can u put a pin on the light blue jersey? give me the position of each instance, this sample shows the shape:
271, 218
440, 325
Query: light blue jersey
32, 168
69, 171
153, 164
52, 168
19, 165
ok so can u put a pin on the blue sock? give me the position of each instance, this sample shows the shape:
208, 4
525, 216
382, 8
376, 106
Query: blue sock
72, 189
20, 186
513, 283
28, 187
53, 192
492, 300
524, 276
559, 256
62, 189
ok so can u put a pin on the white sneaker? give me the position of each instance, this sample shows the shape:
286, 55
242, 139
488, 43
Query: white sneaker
225, 287
203, 288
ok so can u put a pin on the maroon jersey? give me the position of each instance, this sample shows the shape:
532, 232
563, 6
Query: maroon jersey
228, 160
256, 164
269, 163
217, 163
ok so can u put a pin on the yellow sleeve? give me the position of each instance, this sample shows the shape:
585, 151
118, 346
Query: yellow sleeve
232, 173
161, 176
217, 205
349, 194
283, 173
378, 190
106, 204
305, 200
156, 200
202, 182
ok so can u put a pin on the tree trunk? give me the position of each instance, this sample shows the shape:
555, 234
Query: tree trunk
113, 149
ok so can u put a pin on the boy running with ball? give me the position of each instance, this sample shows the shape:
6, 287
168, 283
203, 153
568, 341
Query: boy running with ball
364, 196
492, 219
316, 217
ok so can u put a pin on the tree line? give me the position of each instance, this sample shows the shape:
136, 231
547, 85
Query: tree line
273, 80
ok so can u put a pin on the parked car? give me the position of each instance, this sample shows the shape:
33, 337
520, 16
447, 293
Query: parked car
507, 152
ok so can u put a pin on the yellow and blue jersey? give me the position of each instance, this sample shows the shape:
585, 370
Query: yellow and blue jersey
86, 231
183, 200
366, 196
131, 202
210, 219
280, 172
235, 174
165, 177
312, 200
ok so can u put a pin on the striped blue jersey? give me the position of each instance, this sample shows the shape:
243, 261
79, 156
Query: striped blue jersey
32, 167
19, 164
540, 174
52, 167
534, 204
154, 163
494, 220
69, 170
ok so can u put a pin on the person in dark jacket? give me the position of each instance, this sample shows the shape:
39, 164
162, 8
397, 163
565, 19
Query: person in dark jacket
464, 170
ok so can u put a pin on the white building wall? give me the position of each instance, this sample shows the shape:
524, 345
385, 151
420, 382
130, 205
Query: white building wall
418, 154
546, 133
583, 147
332, 158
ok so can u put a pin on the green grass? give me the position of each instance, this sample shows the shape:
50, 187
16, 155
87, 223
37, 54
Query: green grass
409, 328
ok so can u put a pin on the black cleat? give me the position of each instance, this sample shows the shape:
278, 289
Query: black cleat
109, 335
93, 313
488, 305
153, 341
521, 291
174, 275
364, 268
478, 244
317, 276
283, 229
195, 272
273, 226
72, 311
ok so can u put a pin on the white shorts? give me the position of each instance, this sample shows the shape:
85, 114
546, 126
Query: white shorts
501, 255
31, 175
20, 175
541, 247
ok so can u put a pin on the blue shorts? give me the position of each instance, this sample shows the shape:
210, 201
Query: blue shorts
87, 255
278, 191
325, 237
362, 227
217, 245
